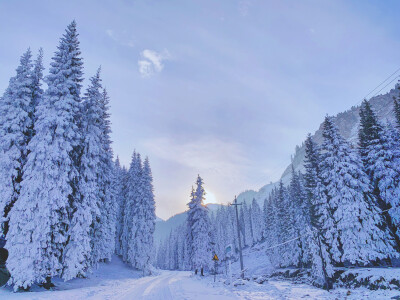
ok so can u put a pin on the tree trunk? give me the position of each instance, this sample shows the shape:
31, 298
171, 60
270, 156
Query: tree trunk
48, 284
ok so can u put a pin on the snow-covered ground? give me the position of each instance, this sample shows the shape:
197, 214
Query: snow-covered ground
117, 281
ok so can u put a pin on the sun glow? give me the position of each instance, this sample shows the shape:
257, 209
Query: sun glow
210, 198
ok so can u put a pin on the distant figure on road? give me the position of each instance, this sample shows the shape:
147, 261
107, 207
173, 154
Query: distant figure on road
4, 274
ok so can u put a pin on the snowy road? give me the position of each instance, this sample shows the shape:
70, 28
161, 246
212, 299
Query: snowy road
167, 285
116, 281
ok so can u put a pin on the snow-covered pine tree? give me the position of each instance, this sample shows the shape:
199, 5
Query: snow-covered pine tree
119, 199
272, 227
397, 108
265, 221
355, 233
161, 257
245, 226
106, 178
37, 80
16, 124
144, 211
297, 208
288, 253
123, 200
184, 262
50, 176
257, 221
381, 160
199, 227
321, 261
83, 248
248, 227
134, 191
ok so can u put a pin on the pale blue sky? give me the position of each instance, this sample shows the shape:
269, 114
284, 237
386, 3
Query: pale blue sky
225, 89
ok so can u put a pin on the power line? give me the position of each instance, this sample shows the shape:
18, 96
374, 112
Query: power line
386, 85
262, 181
379, 86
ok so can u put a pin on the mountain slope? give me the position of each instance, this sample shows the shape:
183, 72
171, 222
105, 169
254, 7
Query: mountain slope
164, 228
347, 123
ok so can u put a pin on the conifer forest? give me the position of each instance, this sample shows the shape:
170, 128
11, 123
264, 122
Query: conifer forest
148, 180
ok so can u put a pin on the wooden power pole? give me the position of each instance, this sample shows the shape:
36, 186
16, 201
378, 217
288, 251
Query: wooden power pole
238, 232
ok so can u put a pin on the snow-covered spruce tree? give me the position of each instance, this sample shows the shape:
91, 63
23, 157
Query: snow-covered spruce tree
160, 256
83, 250
321, 261
184, 265
37, 81
124, 195
50, 176
220, 240
272, 227
119, 199
134, 191
257, 221
397, 108
289, 253
245, 225
198, 223
144, 212
16, 123
189, 235
248, 227
356, 235
265, 219
297, 203
107, 221
381, 160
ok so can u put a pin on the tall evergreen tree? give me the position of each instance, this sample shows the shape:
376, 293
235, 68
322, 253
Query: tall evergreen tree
106, 224
381, 160
16, 123
354, 230
397, 110
83, 250
256, 221
245, 225
322, 265
288, 253
119, 182
199, 227
37, 80
144, 211
134, 191
299, 220
123, 211
43, 210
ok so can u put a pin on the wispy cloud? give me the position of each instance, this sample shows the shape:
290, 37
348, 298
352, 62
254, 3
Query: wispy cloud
110, 33
151, 62
243, 7
123, 39
207, 155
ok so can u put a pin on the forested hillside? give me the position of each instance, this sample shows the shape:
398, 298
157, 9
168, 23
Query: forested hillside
339, 209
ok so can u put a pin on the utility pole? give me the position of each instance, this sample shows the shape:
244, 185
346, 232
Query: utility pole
238, 232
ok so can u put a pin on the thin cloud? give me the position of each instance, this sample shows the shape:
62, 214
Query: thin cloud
207, 155
110, 33
151, 62
243, 7
124, 41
